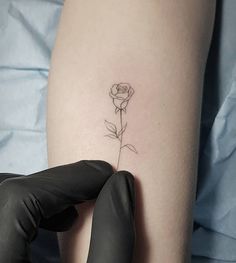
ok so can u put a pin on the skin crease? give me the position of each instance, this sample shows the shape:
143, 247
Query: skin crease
160, 48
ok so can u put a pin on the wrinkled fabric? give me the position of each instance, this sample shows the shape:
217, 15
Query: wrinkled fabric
28, 30
214, 236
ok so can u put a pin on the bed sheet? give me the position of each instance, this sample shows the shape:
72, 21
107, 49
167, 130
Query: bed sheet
28, 29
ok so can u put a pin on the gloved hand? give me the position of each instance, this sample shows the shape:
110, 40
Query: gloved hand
46, 199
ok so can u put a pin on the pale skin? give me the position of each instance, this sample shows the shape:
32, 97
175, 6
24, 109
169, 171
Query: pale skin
160, 48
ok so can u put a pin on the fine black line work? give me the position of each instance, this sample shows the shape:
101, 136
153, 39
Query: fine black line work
121, 94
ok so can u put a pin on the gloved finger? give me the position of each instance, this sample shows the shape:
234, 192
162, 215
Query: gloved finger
113, 225
4, 176
57, 188
60, 222
26, 200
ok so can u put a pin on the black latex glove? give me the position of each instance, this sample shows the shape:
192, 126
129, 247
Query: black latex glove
46, 199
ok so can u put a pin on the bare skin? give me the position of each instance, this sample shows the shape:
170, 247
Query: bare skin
160, 49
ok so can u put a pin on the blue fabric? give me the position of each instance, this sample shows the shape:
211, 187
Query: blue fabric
214, 236
28, 29
27, 37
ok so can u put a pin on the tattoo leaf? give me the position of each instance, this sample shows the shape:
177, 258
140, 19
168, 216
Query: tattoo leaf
110, 126
122, 130
130, 147
112, 136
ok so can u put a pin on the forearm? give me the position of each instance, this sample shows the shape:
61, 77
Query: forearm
160, 49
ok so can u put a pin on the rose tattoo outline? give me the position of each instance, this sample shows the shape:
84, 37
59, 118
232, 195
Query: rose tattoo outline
121, 94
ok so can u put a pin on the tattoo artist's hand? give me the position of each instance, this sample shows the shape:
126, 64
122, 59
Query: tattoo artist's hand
46, 199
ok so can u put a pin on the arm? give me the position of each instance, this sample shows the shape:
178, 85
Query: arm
160, 49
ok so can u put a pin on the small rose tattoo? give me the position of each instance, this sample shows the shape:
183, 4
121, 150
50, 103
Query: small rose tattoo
121, 94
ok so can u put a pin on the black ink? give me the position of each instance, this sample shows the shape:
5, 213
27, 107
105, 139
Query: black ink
121, 94
131, 147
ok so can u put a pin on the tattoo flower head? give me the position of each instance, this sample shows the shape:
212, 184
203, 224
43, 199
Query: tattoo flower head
120, 94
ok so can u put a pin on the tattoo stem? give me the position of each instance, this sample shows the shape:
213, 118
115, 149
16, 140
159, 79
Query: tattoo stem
121, 127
